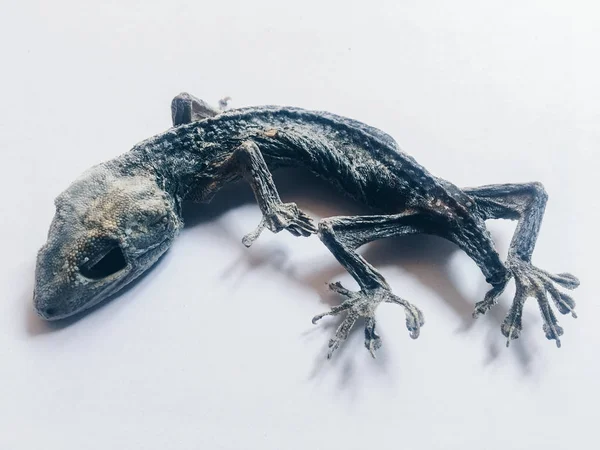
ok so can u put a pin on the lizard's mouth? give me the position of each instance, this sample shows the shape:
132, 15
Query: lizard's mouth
109, 261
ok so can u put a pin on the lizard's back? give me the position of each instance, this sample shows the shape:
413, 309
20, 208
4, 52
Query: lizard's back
358, 159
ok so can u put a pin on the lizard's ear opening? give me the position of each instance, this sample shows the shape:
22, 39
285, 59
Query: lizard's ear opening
105, 264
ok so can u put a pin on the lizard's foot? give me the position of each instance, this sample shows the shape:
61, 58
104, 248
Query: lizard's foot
363, 304
285, 216
539, 284
491, 298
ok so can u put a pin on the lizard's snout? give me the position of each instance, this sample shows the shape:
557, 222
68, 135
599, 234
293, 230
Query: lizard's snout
47, 312
44, 307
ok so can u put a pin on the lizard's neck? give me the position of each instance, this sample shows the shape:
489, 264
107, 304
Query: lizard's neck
182, 163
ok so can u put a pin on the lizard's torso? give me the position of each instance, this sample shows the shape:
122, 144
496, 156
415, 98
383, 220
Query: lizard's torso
361, 161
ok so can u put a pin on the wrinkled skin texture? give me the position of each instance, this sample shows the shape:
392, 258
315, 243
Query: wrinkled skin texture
114, 222
128, 220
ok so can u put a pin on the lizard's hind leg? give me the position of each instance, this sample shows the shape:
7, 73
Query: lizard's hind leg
524, 203
343, 235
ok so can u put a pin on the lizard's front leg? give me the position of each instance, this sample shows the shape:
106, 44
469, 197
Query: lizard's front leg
277, 216
525, 203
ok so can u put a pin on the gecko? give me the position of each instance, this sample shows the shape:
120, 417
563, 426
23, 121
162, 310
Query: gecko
116, 220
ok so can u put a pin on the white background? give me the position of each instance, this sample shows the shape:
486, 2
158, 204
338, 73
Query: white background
214, 349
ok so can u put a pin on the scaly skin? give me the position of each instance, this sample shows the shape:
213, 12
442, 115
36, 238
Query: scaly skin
115, 221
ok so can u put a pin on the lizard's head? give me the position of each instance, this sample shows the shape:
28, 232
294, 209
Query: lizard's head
107, 230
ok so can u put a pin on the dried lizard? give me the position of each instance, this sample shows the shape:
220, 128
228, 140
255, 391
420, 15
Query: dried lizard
119, 217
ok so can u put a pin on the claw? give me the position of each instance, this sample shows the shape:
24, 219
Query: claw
333, 311
551, 328
566, 280
294, 230
306, 223
318, 317
363, 303
249, 239
284, 216
334, 344
491, 299
342, 332
372, 339
414, 316
564, 302
337, 287
512, 326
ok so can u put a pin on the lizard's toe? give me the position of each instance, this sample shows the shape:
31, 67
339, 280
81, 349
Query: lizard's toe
538, 284
372, 339
363, 304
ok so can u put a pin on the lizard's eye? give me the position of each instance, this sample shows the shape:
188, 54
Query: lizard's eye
108, 261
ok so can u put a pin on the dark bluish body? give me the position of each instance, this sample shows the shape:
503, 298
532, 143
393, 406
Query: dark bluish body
362, 161
207, 149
